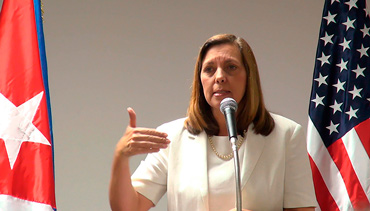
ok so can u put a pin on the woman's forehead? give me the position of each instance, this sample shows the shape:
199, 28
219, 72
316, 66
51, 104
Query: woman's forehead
224, 52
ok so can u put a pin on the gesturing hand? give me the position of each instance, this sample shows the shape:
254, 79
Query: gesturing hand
138, 140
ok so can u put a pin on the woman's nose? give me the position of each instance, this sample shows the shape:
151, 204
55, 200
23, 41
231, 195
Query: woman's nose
220, 76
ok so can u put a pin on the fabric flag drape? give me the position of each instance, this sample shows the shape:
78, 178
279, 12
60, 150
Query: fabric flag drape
26, 146
338, 136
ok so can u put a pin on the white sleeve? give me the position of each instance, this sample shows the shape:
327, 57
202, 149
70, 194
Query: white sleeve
150, 178
298, 184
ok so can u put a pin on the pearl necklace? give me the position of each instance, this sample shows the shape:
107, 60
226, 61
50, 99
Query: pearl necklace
229, 156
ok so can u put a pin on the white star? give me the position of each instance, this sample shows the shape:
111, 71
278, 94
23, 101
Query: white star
365, 31
332, 127
332, 1
359, 71
351, 113
336, 107
324, 59
351, 3
321, 79
16, 125
349, 23
367, 8
342, 65
327, 38
355, 92
318, 100
345, 44
339, 85
330, 18
363, 51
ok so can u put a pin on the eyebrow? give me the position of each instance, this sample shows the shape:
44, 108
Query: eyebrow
228, 60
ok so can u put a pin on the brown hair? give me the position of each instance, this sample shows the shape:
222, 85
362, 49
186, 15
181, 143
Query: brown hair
251, 108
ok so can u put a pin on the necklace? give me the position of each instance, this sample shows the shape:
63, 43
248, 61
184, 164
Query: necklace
229, 156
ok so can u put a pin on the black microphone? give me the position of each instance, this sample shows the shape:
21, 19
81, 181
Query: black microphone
228, 107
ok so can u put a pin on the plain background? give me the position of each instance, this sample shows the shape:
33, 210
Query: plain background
104, 56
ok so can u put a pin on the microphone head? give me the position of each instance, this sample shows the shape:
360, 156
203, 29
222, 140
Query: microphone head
228, 103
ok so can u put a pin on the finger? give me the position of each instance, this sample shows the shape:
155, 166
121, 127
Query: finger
150, 132
150, 138
132, 116
148, 150
136, 149
147, 144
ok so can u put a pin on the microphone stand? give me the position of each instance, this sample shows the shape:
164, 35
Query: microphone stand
228, 107
237, 174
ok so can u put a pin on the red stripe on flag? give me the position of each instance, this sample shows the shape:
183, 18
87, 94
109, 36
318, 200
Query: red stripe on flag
341, 159
363, 133
323, 196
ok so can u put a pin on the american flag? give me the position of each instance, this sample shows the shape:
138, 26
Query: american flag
338, 136
26, 146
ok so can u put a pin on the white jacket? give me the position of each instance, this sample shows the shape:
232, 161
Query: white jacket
276, 173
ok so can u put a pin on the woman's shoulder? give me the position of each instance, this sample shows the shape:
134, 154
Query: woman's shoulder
172, 127
284, 122
285, 127
177, 123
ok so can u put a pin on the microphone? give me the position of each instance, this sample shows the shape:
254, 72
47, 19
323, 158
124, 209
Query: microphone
228, 107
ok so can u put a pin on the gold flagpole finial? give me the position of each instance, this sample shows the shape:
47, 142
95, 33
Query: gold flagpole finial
42, 10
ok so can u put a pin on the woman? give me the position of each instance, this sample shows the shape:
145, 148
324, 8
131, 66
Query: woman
191, 158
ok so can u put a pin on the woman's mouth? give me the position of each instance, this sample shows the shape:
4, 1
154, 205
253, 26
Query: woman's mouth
221, 93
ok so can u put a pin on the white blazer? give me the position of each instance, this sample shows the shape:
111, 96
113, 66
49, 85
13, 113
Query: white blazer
276, 173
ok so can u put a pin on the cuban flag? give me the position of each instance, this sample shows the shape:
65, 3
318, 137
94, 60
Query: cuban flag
338, 136
26, 146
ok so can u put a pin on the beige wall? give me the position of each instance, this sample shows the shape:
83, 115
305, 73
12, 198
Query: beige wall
104, 56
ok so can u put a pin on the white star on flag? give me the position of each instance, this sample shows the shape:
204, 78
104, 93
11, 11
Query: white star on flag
324, 59
351, 113
16, 125
327, 38
318, 100
332, 127
359, 71
365, 31
345, 44
321, 80
349, 24
363, 50
355, 92
336, 107
367, 8
352, 3
339, 85
330, 18
342, 65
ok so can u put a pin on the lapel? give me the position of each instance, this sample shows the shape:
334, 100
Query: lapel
199, 164
254, 145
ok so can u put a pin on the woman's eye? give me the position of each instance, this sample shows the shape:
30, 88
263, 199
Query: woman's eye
232, 67
208, 69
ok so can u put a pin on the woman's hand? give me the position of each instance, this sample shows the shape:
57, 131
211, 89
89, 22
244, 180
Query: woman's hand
138, 140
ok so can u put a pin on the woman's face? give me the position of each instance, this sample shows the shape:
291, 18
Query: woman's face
223, 75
